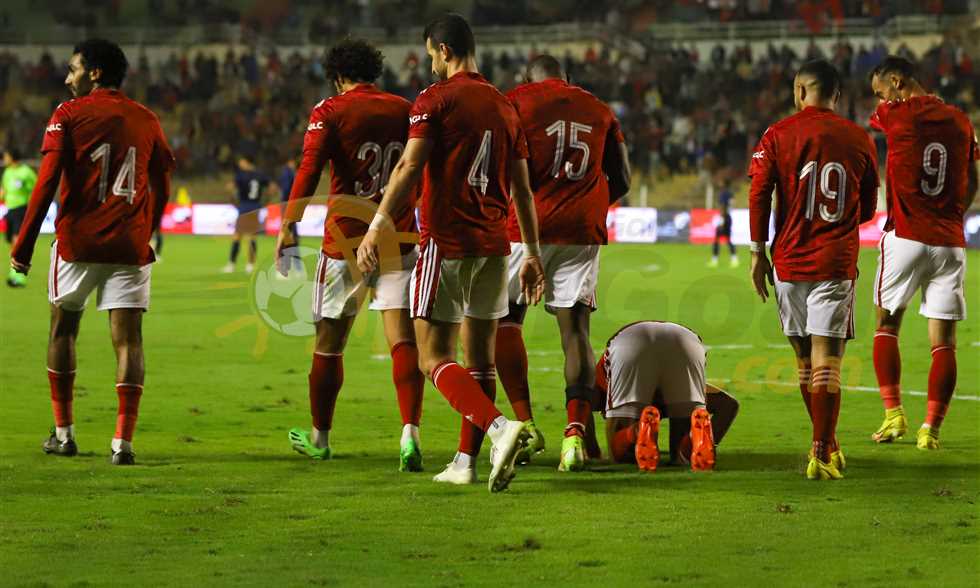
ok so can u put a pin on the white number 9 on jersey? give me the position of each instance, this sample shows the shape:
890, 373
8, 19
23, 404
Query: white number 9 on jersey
937, 171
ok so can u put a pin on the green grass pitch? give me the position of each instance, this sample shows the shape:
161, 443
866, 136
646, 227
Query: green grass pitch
219, 497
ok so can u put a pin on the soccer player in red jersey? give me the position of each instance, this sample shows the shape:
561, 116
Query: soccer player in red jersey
825, 173
579, 166
361, 132
115, 164
466, 143
931, 183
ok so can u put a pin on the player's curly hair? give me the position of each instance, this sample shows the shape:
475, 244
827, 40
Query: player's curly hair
106, 56
354, 59
894, 65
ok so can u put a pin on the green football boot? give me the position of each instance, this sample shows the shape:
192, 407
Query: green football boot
535, 444
301, 443
572, 454
410, 456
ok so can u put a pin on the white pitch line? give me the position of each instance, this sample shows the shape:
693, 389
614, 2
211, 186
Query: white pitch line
858, 388
731, 346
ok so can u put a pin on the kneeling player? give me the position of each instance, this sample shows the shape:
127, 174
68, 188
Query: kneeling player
652, 368
360, 131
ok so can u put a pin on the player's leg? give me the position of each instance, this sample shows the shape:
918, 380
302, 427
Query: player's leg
253, 252
125, 293
325, 381
723, 408
236, 246
573, 327
510, 352
335, 304
801, 348
621, 434
827, 353
409, 383
681, 394
479, 358
61, 377
69, 286
715, 247
511, 357
126, 328
943, 303
942, 381
901, 263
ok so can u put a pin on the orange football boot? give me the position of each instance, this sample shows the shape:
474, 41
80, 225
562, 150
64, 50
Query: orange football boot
647, 451
702, 441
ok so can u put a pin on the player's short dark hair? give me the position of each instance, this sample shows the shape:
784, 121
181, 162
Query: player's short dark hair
547, 65
452, 30
13, 152
894, 65
827, 78
106, 56
354, 59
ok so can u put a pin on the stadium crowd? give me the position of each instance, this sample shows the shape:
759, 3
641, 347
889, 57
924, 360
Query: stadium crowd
258, 103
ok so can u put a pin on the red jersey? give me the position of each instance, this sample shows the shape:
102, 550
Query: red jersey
930, 146
362, 133
825, 172
110, 146
475, 134
568, 133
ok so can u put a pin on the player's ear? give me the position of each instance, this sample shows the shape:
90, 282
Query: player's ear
446, 51
95, 75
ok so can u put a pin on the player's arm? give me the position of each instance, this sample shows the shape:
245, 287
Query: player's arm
161, 165
763, 173
971, 184
404, 177
971, 174
49, 177
616, 164
532, 273
869, 187
308, 173
723, 409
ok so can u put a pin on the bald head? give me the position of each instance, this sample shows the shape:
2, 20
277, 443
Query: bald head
818, 83
544, 67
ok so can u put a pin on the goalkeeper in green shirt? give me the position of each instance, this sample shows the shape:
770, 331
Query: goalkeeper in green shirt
15, 191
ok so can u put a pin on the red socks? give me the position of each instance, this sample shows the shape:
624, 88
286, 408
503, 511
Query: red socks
825, 403
888, 367
511, 356
578, 411
62, 384
805, 373
464, 394
942, 382
623, 443
470, 436
326, 378
409, 381
129, 405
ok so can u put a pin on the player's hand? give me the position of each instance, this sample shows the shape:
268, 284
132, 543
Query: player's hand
762, 272
20, 267
367, 252
284, 241
532, 280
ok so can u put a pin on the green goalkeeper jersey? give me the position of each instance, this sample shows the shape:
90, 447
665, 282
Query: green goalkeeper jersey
18, 182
